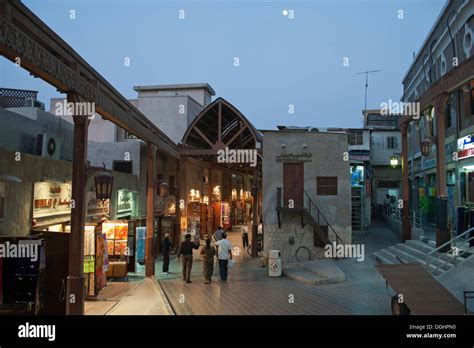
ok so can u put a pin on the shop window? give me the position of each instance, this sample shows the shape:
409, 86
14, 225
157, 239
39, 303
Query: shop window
356, 137
326, 185
392, 143
159, 180
466, 100
172, 184
452, 110
122, 166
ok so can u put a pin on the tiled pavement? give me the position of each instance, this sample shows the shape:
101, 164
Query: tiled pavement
249, 290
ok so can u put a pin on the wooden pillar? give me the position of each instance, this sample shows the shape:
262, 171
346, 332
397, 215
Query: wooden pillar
177, 195
255, 191
75, 280
150, 214
442, 235
210, 215
406, 226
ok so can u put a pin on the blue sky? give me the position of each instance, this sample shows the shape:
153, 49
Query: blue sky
283, 61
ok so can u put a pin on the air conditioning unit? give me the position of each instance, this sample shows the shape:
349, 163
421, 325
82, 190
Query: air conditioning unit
47, 146
33, 103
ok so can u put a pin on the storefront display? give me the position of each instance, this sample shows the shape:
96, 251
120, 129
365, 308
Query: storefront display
141, 240
126, 204
117, 237
51, 202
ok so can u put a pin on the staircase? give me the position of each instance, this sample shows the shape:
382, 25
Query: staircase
310, 214
357, 209
424, 252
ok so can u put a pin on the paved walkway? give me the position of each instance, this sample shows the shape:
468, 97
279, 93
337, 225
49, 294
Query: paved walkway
249, 290
138, 296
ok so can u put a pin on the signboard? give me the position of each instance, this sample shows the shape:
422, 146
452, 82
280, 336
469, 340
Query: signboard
466, 146
51, 199
359, 155
291, 157
96, 206
184, 223
124, 202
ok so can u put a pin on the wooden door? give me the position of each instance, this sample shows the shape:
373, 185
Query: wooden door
293, 184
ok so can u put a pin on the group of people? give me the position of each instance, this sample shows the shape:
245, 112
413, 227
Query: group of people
222, 249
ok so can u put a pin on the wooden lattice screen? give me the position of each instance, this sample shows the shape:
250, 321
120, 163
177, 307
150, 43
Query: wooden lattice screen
15, 98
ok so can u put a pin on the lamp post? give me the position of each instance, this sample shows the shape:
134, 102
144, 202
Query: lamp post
103, 185
394, 161
426, 147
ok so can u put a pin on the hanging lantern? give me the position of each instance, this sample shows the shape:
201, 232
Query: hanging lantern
425, 147
103, 185
394, 161
164, 189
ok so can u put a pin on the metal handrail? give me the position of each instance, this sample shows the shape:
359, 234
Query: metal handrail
311, 203
448, 243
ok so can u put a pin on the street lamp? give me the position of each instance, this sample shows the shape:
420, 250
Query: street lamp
103, 185
394, 161
164, 189
426, 147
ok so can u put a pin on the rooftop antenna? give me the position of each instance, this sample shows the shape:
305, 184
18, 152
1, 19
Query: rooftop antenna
367, 82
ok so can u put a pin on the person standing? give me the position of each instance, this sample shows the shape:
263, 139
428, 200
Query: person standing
208, 253
245, 235
186, 249
167, 247
218, 234
224, 252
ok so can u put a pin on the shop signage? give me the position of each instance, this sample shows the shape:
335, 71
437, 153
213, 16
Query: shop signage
184, 223
124, 201
96, 206
291, 157
466, 146
359, 155
50, 199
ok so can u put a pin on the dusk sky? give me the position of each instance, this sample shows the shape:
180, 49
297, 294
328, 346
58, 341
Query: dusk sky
283, 61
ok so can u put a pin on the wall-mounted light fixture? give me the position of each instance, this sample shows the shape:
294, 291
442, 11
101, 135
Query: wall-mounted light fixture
394, 161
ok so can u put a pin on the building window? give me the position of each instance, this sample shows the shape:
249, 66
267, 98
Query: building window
172, 184
129, 135
122, 166
326, 185
392, 143
452, 109
356, 137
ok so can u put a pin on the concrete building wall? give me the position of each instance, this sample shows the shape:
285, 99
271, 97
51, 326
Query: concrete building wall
326, 159
168, 113
200, 95
380, 153
18, 199
20, 127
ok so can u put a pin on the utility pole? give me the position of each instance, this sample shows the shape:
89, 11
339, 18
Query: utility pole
367, 82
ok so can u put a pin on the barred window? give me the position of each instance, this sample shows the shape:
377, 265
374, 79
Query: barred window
326, 185
356, 137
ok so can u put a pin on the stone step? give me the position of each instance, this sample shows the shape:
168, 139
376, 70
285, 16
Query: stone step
318, 272
419, 245
380, 258
444, 263
406, 257
390, 256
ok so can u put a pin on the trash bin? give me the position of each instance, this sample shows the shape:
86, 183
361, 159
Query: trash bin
274, 263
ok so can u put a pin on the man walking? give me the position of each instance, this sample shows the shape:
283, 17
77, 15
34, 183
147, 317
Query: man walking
218, 234
224, 253
167, 247
245, 235
186, 249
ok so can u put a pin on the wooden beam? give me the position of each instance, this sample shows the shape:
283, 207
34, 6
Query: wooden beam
198, 131
219, 124
236, 134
